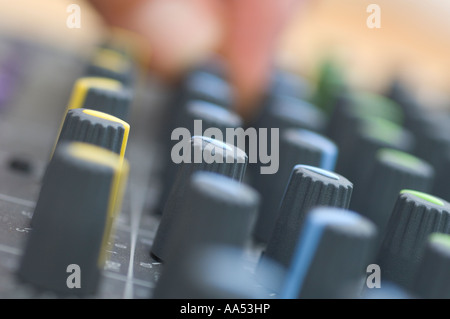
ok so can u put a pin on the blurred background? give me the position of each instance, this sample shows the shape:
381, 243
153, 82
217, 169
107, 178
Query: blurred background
413, 42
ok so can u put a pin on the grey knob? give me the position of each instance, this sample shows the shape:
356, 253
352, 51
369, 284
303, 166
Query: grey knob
219, 210
113, 64
358, 160
94, 127
331, 257
73, 219
281, 113
415, 216
297, 146
197, 117
206, 155
211, 272
207, 86
289, 112
308, 187
393, 171
433, 279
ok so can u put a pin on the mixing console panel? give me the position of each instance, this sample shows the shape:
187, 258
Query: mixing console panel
330, 192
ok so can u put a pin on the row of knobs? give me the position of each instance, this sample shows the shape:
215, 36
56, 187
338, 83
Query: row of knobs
304, 215
84, 181
320, 231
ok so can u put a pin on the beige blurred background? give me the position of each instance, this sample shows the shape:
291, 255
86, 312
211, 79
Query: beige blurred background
45, 21
413, 41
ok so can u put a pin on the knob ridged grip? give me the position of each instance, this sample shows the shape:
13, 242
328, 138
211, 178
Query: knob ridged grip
415, 216
98, 128
297, 146
308, 187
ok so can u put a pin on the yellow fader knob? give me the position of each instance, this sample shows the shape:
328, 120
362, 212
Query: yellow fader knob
94, 127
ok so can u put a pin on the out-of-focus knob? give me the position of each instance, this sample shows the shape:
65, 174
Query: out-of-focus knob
197, 117
433, 278
331, 257
282, 113
359, 157
353, 106
288, 83
393, 171
111, 64
415, 216
219, 209
101, 94
289, 112
211, 272
208, 87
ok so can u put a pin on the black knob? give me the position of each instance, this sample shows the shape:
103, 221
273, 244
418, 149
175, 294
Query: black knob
207, 86
433, 278
206, 154
331, 257
94, 127
219, 210
205, 82
109, 63
412, 109
365, 103
289, 83
289, 112
297, 146
352, 106
358, 159
281, 113
440, 187
308, 187
434, 147
74, 218
393, 171
197, 117
101, 94
415, 216
211, 272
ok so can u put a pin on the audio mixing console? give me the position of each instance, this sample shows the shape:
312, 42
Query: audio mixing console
95, 202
